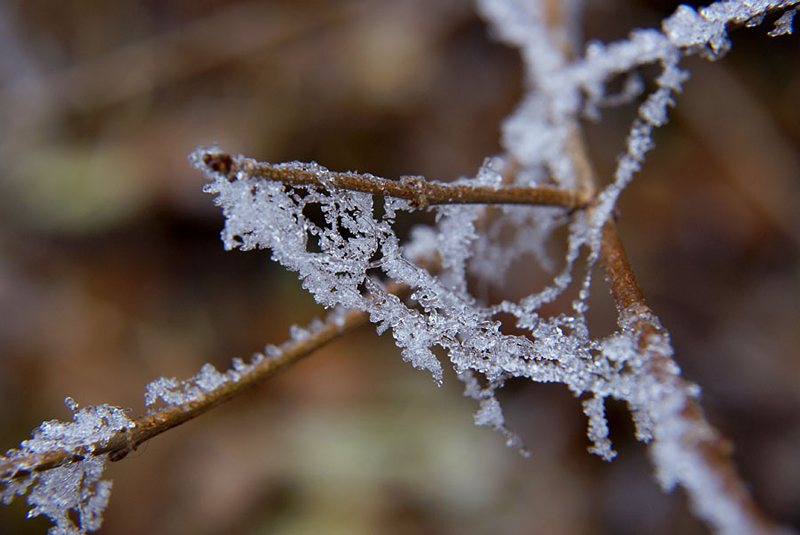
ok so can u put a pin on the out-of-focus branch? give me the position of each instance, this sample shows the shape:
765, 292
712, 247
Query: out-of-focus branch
162, 59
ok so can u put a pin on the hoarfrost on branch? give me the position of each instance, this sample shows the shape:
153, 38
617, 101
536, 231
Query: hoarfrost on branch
347, 259
75, 486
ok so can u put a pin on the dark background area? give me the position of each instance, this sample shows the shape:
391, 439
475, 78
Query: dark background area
112, 273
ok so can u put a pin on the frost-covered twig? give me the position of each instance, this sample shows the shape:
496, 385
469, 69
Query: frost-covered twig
61, 466
344, 256
684, 447
417, 190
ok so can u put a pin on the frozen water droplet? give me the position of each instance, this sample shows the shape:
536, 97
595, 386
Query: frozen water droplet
71, 404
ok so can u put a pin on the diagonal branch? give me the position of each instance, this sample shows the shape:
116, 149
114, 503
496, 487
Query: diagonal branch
686, 449
151, 425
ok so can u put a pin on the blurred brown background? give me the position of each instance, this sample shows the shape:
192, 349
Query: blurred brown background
112, 274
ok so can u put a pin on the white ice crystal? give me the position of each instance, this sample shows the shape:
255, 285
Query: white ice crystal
73, 490
74, 487
783, 26
172, 392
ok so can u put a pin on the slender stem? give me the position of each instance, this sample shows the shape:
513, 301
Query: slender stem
151, 425
419, 191
624, 289
698, 445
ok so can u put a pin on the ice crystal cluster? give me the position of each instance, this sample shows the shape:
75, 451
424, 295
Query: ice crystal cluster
344, 259
75, 486
347, 256
170, 391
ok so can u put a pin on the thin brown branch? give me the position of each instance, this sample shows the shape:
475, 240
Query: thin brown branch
417, 190
699, 445
151, 425
701, 441
619, 275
